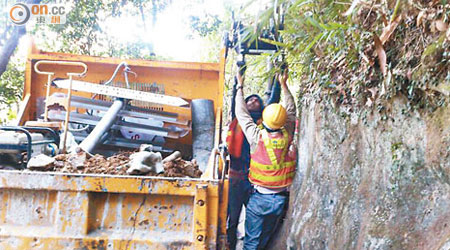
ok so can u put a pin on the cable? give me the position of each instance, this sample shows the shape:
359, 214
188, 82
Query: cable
71, 129
126, 70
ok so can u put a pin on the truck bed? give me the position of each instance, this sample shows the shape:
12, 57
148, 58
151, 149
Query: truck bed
41, 210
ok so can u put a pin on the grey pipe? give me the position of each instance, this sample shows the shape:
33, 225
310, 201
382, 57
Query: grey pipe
202, 111
270, 81
102, 127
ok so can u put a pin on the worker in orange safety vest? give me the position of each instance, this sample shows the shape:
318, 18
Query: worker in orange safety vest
240, 187
272, 164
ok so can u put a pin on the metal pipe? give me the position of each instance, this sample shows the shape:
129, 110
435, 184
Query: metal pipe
102, 127
69, 92
29, 140
270, 81
47, 94
202, 130
66, 121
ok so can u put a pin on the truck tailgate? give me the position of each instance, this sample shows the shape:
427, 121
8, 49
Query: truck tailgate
69, 211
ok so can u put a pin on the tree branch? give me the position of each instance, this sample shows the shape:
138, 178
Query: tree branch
4, 36
10, 46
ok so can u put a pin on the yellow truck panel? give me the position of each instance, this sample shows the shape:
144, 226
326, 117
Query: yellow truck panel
68, 211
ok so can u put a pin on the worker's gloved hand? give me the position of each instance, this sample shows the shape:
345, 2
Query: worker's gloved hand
242, 66
282, 78
292, 151
283, 66
144, 162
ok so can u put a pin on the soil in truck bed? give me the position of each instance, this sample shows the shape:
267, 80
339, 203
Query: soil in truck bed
118, 165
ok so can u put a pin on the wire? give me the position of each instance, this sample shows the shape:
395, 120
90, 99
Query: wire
126, 70
115, 72
71, 129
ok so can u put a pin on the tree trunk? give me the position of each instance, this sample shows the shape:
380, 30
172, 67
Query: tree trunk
10, 46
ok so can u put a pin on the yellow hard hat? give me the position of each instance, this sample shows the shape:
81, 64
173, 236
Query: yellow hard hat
274, 116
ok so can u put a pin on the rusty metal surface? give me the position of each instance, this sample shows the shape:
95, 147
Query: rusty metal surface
81, 211
201, 216
68, 211
187, 80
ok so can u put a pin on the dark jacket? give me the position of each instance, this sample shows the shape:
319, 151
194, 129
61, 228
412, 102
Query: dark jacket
242, 163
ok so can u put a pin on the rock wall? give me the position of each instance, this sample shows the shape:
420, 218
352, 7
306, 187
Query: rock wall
371, 181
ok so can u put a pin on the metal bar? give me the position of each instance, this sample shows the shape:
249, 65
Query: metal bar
148, 185
223, 206
86, 103
47, 94
128, 145
23, 108
93, 120
83, 135
20, 147
80, 64
29, 140
135, 145
260, 51
270, 80
66, 120
191, 66
50, 74
217, 167
104, 137
122, 93
102, 127
202, 131
200, 233
125, 143
143, 111
139, 87
137, 142
13, 147
41, 129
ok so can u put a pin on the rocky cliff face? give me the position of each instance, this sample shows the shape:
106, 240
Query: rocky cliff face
374, 181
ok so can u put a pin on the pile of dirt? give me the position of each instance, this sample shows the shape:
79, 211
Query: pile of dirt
180, 168
117, 164
97, 164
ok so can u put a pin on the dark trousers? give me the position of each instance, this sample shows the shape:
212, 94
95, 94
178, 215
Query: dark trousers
239, 193
263, 212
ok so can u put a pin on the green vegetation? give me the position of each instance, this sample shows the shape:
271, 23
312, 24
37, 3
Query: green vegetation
85, 31
366, 52
11, 83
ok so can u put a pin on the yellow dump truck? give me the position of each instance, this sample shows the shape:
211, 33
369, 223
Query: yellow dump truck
53, 210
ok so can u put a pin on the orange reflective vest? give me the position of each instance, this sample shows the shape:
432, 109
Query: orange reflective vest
270, 164
235, 139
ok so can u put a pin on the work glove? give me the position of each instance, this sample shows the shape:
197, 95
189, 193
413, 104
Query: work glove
144, 162
242, 66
